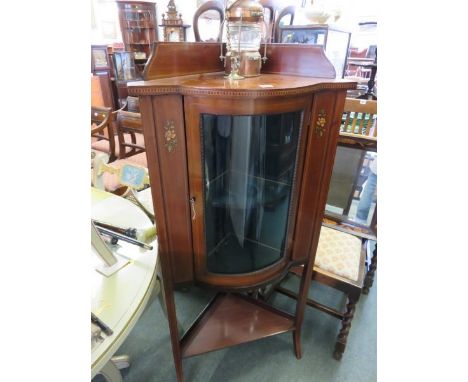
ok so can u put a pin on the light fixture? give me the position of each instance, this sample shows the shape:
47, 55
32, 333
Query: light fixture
244, 21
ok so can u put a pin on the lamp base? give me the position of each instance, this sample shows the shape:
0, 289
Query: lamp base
234, 76
250, 64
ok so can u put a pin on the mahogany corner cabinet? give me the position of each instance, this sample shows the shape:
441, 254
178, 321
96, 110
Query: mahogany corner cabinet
239, 174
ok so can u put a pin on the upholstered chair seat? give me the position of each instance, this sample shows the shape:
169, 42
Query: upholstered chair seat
111, 181
339, 253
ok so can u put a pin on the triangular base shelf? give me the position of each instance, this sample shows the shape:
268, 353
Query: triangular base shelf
233, 319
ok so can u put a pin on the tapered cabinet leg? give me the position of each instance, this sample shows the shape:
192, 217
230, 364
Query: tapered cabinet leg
340, 344
179, 371
162, 302
166, 299
297, 344
369, 280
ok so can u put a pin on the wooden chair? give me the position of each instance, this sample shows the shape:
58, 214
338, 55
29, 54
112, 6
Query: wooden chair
340, 264
120, 135
130, 134
273, 7
289, 10
132, 104
102, 133
130, 145
131, 148
213, 5
344, 245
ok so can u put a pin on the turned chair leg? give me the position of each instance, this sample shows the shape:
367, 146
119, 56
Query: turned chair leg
340, 344
369, 280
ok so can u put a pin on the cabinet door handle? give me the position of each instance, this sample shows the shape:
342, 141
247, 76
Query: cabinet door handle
192, 204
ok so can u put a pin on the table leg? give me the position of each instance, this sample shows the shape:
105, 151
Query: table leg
111, 373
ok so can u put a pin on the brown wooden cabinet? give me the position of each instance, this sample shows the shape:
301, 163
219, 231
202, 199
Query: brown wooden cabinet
239, 175
139, 27
139, 30
101, 85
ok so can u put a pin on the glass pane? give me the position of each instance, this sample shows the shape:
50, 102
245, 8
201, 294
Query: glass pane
352, 194
249, 165
337, 50
303, 36
125, 68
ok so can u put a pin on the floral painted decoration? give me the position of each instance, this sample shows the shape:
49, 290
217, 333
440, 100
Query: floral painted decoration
321, 122
170, 136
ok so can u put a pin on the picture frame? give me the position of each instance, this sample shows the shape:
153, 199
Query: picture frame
125, 68
303, 36
99, 58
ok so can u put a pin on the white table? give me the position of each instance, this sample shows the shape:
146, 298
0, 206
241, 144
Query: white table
120, 299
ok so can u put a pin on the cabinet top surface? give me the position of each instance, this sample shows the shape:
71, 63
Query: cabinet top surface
216, 85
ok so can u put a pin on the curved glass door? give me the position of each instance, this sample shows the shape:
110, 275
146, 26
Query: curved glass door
249, 165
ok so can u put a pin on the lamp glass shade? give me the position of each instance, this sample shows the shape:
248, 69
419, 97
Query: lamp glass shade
250, 36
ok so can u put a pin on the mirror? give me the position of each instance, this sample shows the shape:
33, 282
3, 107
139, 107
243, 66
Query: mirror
353, 188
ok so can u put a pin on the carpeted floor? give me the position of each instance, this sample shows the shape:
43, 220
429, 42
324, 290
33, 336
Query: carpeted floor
267, 360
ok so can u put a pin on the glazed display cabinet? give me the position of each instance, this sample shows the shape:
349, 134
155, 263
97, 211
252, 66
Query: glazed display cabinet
239, 176
139, 28
335, 41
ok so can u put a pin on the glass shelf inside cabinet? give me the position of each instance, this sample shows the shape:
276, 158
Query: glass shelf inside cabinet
249, 166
